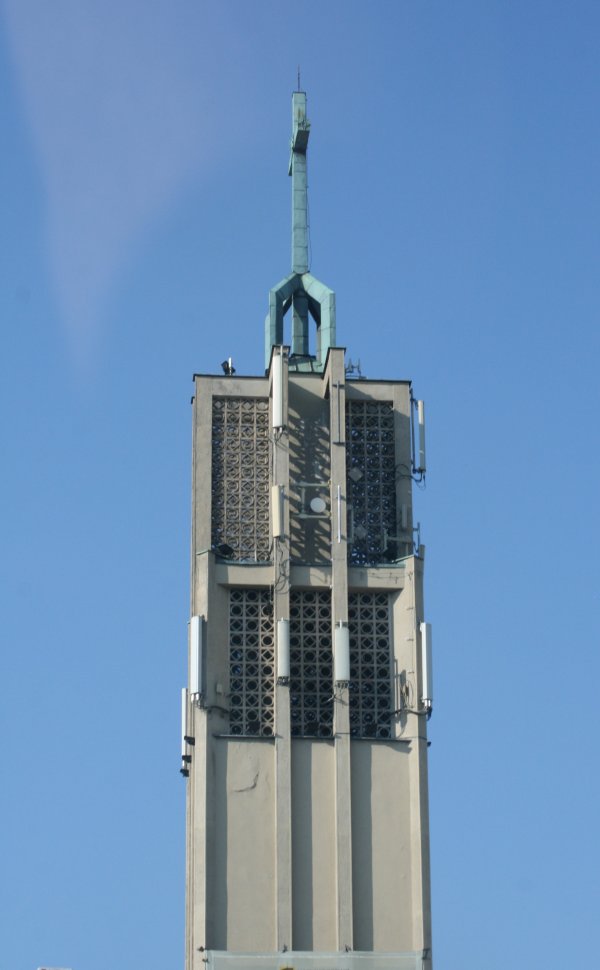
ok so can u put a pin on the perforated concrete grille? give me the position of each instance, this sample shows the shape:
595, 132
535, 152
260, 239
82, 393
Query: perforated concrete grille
310, 535
371, 478
311, 672
251, 662
240, 477
370, 665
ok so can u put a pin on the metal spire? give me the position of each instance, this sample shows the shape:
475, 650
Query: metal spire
300, 291
297, 169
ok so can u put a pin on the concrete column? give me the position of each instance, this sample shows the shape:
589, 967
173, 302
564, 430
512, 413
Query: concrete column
281, 610
199, 815
197, 862
196, 804
419, 797
335, 378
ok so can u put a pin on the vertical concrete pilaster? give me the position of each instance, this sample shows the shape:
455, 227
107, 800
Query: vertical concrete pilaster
199, 817
335, 378
281, 610
197, 933
419, 806
196, 793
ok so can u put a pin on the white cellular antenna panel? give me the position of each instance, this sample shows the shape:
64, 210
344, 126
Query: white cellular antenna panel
422, 466
277, 414
283, 649
341, 657
426, 665
183, 721
196, 654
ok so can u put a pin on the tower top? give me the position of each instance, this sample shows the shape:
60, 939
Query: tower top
300, 291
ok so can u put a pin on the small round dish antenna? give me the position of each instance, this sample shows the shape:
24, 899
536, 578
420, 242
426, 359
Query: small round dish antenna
318, 505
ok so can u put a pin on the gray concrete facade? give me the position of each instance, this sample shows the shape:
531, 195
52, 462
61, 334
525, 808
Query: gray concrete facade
307, 805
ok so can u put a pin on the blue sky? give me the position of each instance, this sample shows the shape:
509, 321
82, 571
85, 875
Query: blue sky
453, 172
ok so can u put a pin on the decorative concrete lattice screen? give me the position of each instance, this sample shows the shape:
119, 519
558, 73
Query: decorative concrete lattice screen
251, 662
310, 536
240, 477
371, 479
370, 665
311, 668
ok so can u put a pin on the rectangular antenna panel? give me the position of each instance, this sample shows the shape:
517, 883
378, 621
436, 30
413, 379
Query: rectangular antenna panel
341, 657
426, 665
277, 402
421, 418
184, 730
196, 655
283, 648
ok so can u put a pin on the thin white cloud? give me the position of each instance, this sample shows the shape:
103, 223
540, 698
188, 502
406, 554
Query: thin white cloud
122, 114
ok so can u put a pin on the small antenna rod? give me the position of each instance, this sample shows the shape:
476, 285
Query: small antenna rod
298, 77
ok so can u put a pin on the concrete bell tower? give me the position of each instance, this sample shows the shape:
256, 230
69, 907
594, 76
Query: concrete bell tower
304, 736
